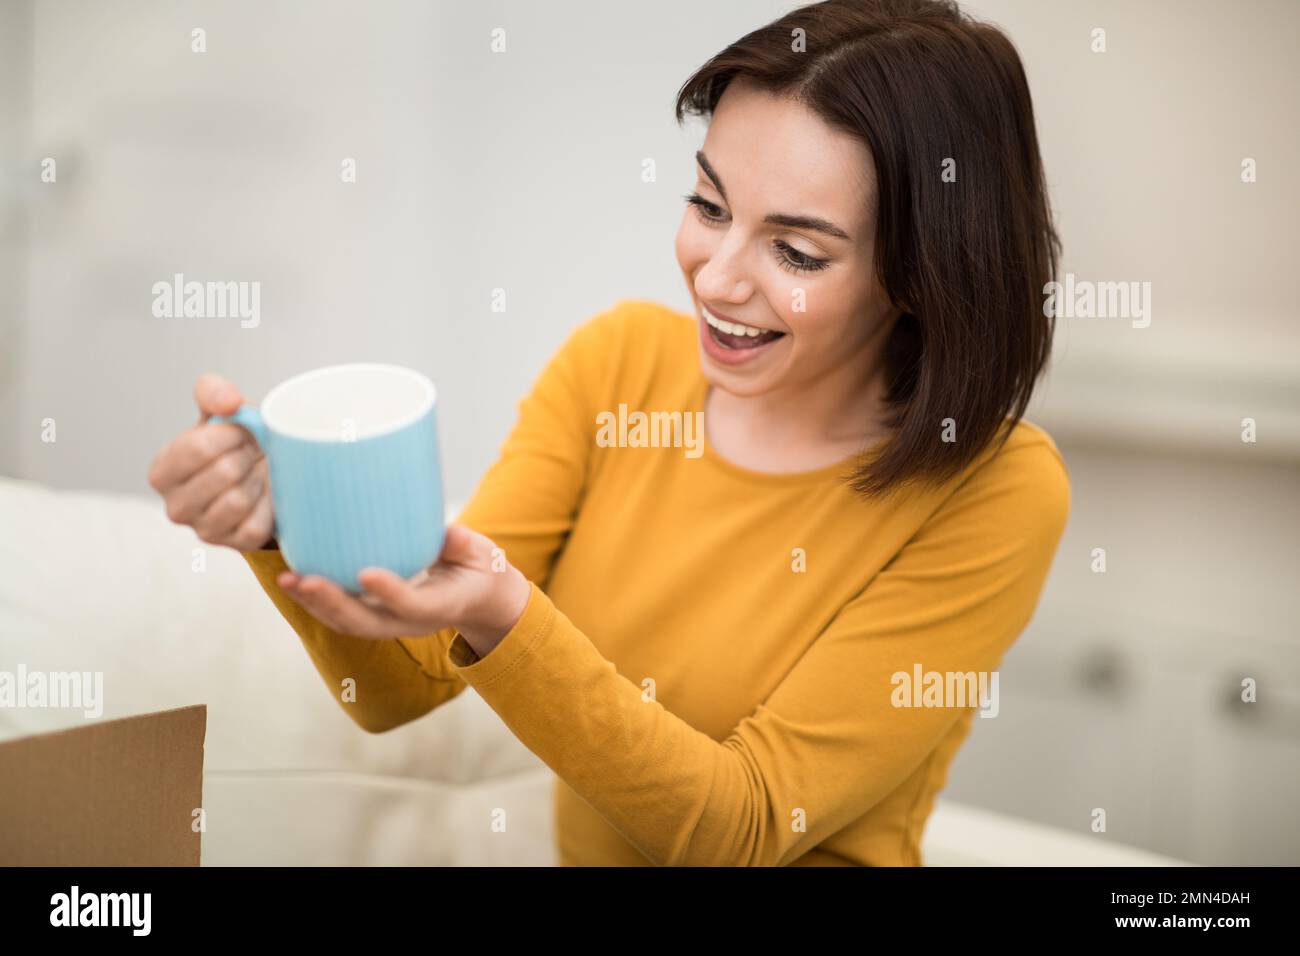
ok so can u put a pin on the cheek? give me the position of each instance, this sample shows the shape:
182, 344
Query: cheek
805, 303
814, 309
692, 245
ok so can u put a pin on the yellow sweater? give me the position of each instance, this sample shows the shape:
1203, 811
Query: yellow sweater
707, 659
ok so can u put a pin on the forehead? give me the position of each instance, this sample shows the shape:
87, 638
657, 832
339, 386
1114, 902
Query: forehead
775, 152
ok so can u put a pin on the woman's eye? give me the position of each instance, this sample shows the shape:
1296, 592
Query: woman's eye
706, 210
787, 257
792, 260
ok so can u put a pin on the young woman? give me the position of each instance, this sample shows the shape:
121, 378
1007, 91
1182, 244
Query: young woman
716, 652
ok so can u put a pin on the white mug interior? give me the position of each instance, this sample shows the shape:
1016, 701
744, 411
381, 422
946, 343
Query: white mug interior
348, 402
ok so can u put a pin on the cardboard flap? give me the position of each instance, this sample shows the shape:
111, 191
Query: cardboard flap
117, 793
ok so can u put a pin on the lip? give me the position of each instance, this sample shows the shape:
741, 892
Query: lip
731, 357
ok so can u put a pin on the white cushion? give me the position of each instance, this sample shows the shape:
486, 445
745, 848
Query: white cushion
104, 582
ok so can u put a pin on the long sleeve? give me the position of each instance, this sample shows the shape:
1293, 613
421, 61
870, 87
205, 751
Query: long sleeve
829, 741
526, 503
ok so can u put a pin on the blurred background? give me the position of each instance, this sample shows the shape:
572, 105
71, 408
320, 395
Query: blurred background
522, 171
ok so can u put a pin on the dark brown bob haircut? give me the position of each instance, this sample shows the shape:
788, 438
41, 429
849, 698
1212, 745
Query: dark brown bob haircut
923, 85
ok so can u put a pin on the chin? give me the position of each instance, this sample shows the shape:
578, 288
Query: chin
741, 386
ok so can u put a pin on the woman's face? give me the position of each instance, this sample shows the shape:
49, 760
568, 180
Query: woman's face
768, 158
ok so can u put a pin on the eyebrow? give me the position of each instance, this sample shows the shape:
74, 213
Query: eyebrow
778, 218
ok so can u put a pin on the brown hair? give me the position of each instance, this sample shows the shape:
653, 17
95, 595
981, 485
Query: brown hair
920, 82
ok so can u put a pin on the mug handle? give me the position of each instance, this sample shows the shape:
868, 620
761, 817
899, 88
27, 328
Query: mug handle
248, 417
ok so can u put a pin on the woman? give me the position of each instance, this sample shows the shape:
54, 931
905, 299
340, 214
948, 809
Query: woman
714, 650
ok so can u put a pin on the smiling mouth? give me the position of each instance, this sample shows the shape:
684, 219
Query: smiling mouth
733, 335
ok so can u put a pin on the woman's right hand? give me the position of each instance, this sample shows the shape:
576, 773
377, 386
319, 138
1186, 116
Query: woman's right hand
214, 478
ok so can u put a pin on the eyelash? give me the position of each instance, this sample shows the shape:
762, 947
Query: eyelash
788, 258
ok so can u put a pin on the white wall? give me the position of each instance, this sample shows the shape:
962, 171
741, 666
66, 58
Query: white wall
475, 171
17, 185
521, 171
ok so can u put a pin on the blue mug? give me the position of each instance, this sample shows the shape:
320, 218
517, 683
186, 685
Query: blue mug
356, 477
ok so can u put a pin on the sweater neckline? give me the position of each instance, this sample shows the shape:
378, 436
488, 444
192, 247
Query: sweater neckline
841, 470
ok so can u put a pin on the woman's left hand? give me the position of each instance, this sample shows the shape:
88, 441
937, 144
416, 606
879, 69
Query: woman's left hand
471, 588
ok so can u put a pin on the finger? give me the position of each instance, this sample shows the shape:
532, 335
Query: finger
231, 507
191, 451
344, 612
403, 600
315, 606
370, 601
465, 546
255, 530
290, 582
458, 545
190, 500
216, 396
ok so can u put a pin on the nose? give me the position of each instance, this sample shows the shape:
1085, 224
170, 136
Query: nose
724, 277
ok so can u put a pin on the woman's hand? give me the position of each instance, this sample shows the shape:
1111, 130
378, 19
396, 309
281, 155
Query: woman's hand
214, 478
471, 588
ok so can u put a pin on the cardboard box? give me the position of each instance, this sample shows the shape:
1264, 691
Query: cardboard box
123, 792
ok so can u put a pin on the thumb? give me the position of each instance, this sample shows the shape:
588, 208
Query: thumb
463, 545
216, 396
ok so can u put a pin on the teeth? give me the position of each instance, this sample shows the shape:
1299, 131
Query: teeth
731, 328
